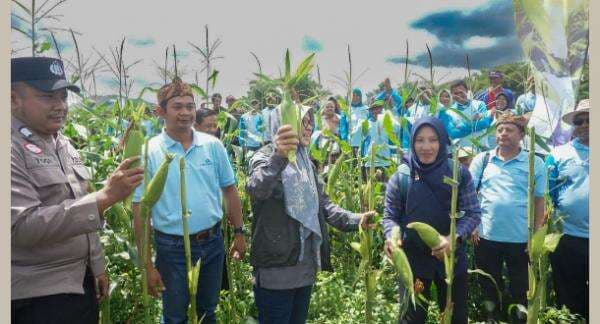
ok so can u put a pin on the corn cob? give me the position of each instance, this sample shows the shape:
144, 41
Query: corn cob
400, 262
537, 243
133, 141
289, 116
428, 234
157, 184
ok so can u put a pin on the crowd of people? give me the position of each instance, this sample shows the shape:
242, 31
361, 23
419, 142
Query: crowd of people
57, 262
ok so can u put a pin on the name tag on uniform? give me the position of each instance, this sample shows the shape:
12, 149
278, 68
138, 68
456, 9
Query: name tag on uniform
32, 148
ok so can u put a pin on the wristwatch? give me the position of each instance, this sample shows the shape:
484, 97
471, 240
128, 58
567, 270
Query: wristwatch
239, 230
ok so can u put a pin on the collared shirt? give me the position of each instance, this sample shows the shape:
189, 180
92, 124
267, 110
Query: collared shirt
358, 114
54, 220
503, 195
471, 129
378, 136
569, 171
267, 115
207, 170
251, 129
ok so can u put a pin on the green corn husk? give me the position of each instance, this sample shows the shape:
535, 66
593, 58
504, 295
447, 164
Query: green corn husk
133, 142
428, 234
157, 184
402, 266
290, 115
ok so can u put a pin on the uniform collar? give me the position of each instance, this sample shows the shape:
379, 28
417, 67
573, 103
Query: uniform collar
17, 126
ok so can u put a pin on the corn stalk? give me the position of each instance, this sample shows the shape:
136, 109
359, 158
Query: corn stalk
449, 259
144, 253
185, 215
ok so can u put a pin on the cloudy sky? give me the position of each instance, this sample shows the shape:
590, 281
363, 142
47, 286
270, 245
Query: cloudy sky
376, 31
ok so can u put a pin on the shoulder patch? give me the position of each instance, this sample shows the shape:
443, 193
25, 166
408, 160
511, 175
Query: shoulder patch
32, 148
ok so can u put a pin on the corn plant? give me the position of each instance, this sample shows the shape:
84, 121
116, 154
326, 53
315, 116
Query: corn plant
539, 245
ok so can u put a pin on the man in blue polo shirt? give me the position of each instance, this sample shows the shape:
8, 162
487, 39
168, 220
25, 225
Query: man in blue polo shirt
569, 172
209, 177
501, 177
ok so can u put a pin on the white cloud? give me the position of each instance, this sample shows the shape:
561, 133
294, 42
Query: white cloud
479, 42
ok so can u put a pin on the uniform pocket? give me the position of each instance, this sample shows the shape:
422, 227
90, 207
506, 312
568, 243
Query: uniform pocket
43, 177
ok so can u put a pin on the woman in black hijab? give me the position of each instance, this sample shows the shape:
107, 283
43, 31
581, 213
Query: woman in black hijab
417, 193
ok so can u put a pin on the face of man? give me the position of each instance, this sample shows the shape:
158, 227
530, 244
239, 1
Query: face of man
508, 135
459, 94
179, 113
387, 85
229, 101
208, 125
496, 81
581, 122
43, 112
376, 111
216, 101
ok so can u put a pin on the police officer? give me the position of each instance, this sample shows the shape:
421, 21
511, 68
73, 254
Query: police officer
57, 264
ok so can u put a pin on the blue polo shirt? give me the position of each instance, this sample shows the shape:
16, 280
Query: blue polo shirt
471, 128
252, 128
207, 170
569, 172
503, 195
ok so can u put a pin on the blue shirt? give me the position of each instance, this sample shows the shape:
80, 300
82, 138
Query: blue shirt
417, 110
378, 136
525, 103
468, 129
396, 101
207, 170
503, 195
484, 96
569, 173
357, 114
267, 115
252, 128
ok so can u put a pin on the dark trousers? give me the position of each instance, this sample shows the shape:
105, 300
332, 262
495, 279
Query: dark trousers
286, 306
459, 298
59, 309
170, 262
490, 257
570, 274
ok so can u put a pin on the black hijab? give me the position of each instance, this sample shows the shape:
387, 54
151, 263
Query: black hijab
432, 174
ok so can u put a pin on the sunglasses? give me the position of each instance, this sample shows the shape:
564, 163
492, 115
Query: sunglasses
580, 121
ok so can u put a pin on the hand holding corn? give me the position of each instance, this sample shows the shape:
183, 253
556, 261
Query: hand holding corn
286, 140
120, 184
388, 248
442, 249
364, 220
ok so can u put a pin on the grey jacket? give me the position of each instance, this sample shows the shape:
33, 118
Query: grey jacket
275, 235
54, 221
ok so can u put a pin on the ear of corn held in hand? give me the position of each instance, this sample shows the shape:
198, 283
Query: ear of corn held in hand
428, 234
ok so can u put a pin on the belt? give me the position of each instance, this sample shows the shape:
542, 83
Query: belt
208, 233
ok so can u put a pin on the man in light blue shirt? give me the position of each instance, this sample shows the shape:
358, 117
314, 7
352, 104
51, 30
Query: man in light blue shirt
569, 172
478, 118
421, 107
392, 98
252, 127
501, 178
358, 112
209, 177
267, 115
377, 139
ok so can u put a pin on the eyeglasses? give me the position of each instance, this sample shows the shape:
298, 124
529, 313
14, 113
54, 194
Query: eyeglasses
580, 121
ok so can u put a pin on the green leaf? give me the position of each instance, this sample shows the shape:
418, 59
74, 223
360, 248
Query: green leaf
213, 78
364, 128
356, 246
388, 128
542, 143
459, 113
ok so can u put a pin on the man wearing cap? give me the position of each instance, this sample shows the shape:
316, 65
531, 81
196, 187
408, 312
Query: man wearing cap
251, 127
57, 263
569, 170
489, 95
209, 179
377, 139
501, 176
